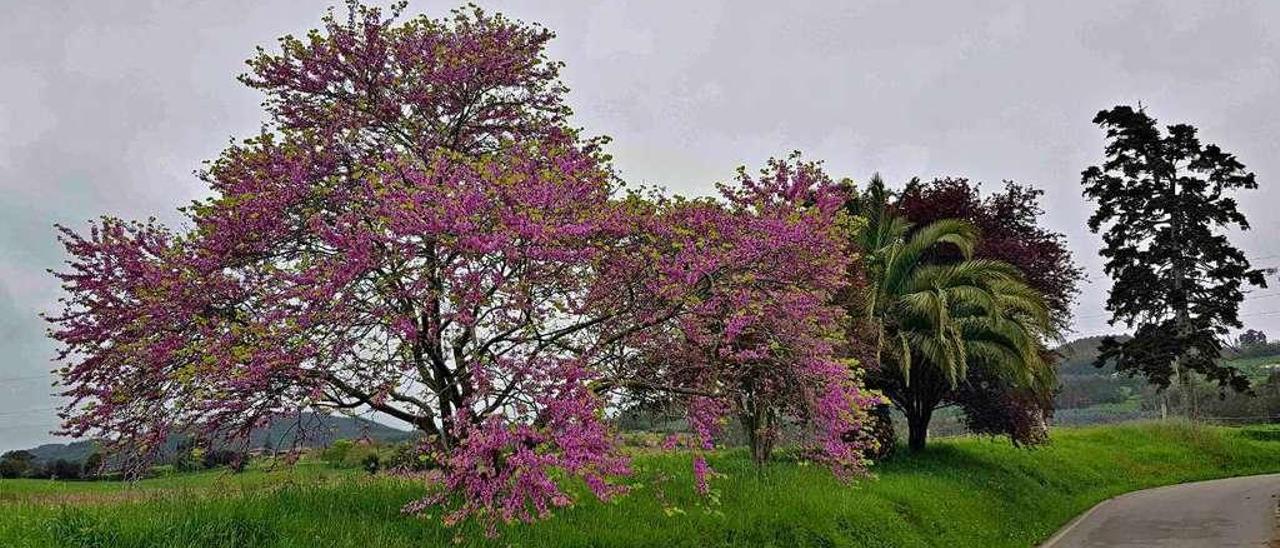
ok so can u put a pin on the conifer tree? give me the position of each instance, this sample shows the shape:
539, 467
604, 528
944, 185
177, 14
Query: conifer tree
1164, 203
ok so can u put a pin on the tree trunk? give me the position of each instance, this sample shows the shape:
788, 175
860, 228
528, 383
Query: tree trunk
1181, 305
761, 449
758, 424
881, 419
918, 427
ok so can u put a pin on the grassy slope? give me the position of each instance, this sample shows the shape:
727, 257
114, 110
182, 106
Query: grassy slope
964, 492
1255, 368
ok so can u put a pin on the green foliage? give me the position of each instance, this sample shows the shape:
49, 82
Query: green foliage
1252, 337
1078, 356
1080, 391
1164, 206
371, 463
410, 457
965, 492
336, 453
188, 457
16, 464
61, 469
1266, 349
1257, 368
93, 464
218, 458
1097, 395
1263, 401
931, 320
371, 457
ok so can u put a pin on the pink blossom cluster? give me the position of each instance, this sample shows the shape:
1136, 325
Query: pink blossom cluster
762, 336
418, 232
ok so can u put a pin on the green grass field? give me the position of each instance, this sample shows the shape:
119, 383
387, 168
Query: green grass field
962, 492
1257, 368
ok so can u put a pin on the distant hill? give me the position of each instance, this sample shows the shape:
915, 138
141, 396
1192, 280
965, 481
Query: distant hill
323, 430
1087, 393
75, 451
1082, 385
1078, 356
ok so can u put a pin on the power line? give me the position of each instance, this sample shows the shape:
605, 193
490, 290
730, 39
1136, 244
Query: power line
23, 425
27, 378
1091, 316
25, 411
1249, 315
1247, 298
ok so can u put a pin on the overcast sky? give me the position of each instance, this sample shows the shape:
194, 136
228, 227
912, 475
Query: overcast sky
107, 108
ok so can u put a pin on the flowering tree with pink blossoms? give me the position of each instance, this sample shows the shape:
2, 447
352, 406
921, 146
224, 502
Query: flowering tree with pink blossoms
764, 340
419, 232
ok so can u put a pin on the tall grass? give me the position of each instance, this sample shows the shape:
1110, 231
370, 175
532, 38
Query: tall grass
962, 492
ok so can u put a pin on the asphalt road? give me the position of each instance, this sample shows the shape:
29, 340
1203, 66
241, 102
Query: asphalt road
1227, 512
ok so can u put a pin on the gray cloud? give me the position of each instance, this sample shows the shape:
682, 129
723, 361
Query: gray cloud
107, 107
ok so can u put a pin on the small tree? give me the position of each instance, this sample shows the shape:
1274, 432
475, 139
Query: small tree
216, 458
763, 340
1252, 337
371, 463
336, 453
17, 464
63, 469
188, 456
93, 464
1163, 205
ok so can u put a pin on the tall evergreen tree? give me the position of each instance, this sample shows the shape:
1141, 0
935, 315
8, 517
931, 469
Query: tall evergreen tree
1164, 204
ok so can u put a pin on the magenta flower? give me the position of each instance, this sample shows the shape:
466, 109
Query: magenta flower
420, 232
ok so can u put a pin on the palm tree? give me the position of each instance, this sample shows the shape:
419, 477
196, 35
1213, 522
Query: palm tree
931, 321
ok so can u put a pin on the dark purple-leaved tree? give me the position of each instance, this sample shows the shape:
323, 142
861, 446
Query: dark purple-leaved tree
1009, 224
953, 325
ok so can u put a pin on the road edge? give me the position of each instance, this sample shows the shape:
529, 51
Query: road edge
1048, 543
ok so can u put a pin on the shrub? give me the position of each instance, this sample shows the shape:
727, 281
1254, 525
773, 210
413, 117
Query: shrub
371, 463
336, 453
93, 465
16, 464
235, 460
62, 469
411, 457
